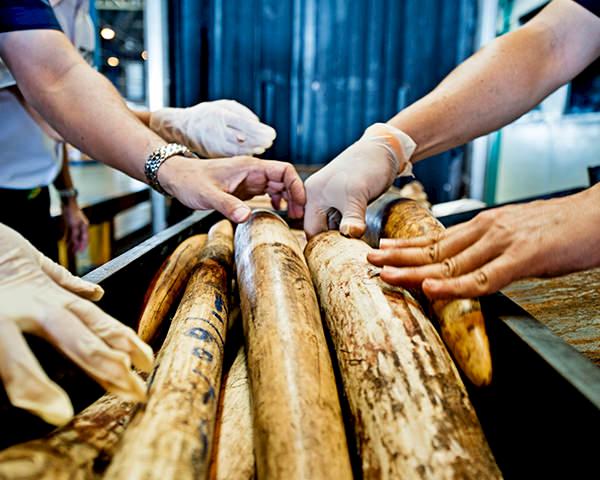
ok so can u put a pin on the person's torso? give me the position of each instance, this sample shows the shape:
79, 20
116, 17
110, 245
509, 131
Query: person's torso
28, 157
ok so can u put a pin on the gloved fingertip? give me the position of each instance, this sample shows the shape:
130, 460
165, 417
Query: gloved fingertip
352, 229
269, 130
53, 406
133, 391
143, 357
258, 151
96, 292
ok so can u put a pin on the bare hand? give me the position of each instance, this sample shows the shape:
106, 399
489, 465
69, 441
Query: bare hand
76, 226
222, 184
497, 247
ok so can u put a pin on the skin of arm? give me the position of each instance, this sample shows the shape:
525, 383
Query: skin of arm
504, 80
87, 111
489, 90
77, 101
76, 223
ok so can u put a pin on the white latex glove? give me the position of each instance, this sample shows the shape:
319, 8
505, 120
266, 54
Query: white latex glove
356, 176
223, 128
40, 297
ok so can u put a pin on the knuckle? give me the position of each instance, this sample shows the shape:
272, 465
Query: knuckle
449, 268
433, 252
482, 281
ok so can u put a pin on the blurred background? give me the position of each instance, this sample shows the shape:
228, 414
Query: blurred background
322, 71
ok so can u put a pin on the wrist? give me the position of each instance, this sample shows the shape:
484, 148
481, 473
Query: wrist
399, 145
157, 159
67, 195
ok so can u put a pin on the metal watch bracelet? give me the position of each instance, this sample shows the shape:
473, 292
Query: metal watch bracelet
158, 157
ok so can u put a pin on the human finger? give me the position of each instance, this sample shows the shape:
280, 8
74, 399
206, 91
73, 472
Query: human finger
464, 262
426, 253
230, 206
353, 218
488, 279
70, 282
114, 333
109, 367
315, 219
238, 108
285, 173
27, 385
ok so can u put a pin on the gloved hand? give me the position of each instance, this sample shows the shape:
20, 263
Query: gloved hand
40, 297
358, 175
223, 128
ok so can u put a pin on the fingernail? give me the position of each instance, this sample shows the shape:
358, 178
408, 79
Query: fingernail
240, 214
385, 242
351, 230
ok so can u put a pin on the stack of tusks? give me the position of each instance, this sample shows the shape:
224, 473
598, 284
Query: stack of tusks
279, 415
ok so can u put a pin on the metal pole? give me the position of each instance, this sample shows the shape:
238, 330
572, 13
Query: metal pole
157, 81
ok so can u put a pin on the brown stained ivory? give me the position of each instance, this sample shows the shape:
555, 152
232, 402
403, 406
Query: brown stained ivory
411, 413
171, 437
78, 451
234, 455
461, 321
168, 284
298, 429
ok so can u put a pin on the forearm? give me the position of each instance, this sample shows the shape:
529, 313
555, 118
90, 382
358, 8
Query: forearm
504, 80
77, 101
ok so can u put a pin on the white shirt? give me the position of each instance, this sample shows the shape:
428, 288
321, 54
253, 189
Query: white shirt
28, 157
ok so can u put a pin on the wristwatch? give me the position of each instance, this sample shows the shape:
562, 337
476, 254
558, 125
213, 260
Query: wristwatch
67, 194
158, 157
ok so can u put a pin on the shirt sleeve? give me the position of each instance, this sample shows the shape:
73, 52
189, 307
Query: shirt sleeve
27, 15
591, 5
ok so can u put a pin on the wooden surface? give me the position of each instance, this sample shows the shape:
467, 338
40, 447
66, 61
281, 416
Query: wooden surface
298, 428
171, 437
569, 306
412, 416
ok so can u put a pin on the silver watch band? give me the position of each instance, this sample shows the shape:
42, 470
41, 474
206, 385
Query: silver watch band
158, 157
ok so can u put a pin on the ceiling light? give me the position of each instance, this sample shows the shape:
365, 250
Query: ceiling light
107, 33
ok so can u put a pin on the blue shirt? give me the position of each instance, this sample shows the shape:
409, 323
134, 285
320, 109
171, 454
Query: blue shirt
27, 15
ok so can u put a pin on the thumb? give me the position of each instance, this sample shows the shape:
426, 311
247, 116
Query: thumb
70, 282
353, 219
232, 207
